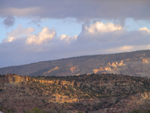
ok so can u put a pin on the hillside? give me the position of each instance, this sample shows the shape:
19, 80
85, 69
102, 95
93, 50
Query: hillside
94, 93
130, 63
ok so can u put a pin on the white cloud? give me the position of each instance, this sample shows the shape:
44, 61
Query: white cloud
17, 33
67, 39
43, 36
100, 27
144, 29
21, 31
25, 33
100, 32
125, 48
120, 49
9, 39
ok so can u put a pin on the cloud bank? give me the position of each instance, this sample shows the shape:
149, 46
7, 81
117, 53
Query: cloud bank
82, 10
22, 46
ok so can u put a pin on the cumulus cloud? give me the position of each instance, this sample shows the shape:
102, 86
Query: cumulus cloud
9, 21
17, 33
9, 39
100, 27
44, 36
67, 39
144, 29
100, 32
120, 49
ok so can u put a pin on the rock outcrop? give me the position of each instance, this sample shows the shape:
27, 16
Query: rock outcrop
9, 78
111, 67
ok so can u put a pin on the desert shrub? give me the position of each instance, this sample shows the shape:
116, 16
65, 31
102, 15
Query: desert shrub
138, 111
35, 110
80, 112
8, 111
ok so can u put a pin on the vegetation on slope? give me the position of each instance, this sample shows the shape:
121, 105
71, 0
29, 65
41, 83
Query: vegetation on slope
88, 93
133, 63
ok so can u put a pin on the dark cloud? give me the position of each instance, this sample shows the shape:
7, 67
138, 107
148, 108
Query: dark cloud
80, 9
9, 21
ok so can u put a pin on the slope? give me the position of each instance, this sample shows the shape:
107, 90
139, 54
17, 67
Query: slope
130, 63
94, 93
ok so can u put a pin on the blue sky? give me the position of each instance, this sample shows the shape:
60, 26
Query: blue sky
39, 30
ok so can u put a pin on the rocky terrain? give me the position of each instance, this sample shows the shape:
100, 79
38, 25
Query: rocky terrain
95, 93
131, 63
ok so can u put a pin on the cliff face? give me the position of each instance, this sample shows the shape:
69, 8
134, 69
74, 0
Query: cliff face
8, 78
61, 82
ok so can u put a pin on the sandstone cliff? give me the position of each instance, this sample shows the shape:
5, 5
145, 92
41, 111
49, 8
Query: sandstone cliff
9, 78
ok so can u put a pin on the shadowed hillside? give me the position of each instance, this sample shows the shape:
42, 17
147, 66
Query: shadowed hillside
87, 93
131, 63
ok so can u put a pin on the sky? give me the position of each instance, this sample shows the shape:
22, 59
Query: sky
41, 30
